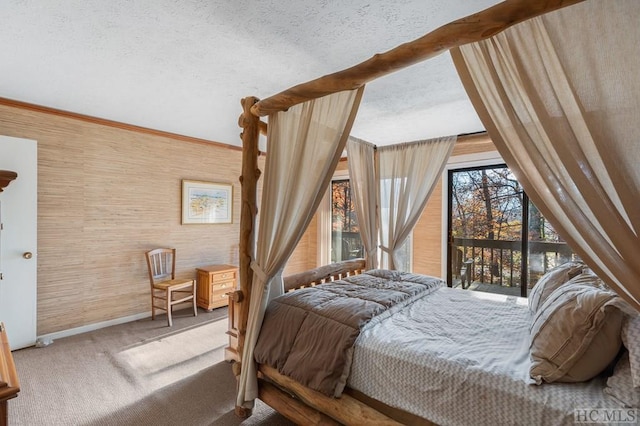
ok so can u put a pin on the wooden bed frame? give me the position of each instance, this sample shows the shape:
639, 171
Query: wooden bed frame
323, 274
306, 406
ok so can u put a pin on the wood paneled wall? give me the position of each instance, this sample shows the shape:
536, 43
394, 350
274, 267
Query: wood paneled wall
305, 256
105, 196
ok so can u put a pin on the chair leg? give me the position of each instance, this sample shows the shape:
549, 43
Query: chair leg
169, 307
153, 307
195, 308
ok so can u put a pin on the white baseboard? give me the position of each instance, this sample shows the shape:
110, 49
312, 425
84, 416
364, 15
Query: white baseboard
90, 327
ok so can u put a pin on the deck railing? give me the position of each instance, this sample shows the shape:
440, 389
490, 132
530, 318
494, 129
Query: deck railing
487, 261
499, 261
347, 245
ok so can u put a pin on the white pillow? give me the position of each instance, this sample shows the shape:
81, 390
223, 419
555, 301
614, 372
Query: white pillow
575, 334
620, 384
553, 279
631, 340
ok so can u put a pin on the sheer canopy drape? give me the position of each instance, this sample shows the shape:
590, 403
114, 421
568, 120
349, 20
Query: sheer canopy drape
362, 177
406, 174
304, 146
391, 185
560, 97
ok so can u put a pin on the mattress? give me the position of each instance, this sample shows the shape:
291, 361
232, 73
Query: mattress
458, 357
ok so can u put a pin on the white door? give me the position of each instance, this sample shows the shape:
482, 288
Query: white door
18, 241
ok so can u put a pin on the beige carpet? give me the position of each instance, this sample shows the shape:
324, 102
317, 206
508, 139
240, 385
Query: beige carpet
140, 373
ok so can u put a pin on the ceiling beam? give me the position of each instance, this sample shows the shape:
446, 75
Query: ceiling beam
472, 28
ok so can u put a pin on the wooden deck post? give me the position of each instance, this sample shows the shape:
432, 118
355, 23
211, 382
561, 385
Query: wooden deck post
249, 209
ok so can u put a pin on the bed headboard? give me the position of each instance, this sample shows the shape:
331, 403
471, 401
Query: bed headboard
323, 274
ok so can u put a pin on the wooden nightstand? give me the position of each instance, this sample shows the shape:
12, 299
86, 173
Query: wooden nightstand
213, 283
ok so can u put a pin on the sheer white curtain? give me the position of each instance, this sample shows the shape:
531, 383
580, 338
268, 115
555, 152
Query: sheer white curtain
304, 146
406, 175
362, 178
560, 97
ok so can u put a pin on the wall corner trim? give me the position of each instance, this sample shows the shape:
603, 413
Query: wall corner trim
112, 123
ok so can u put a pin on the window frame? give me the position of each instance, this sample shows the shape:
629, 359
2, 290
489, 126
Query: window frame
480, 159
324, 220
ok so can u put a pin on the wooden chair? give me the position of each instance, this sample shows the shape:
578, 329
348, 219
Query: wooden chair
165, 288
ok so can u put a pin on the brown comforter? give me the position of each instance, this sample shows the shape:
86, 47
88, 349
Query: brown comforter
308, 334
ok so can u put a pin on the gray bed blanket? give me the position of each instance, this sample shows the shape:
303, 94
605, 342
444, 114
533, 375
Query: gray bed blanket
308, 334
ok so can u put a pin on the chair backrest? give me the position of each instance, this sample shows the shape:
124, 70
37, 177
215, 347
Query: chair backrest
161, 263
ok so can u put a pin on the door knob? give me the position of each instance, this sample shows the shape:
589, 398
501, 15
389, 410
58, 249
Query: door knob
27, 255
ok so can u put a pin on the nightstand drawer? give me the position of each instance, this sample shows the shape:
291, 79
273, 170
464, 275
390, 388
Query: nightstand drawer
220, 295
225, 286
223, 276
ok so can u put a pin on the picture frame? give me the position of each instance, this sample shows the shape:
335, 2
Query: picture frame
206, 202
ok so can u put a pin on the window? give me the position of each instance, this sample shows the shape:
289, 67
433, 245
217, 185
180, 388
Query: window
345, 234
338, 231
498, 240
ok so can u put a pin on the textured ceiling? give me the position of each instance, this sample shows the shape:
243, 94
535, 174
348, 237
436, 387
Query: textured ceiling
182, 65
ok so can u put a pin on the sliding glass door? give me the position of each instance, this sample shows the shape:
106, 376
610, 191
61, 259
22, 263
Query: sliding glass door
498, 240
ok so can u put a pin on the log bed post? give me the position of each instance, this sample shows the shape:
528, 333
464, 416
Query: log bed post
249, 209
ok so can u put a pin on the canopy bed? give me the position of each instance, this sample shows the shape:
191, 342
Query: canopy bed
527, 74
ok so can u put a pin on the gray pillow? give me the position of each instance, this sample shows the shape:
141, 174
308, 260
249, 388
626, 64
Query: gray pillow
620, 384
575, 334
553, 279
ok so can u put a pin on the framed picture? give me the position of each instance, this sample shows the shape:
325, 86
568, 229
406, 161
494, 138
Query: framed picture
206, 202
